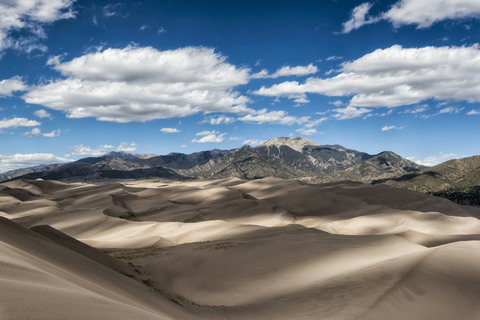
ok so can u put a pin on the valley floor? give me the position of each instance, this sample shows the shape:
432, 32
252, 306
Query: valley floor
233, 249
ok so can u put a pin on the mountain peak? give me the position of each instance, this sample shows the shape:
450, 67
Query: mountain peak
296, 143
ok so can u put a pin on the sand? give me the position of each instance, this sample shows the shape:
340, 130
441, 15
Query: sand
233, 249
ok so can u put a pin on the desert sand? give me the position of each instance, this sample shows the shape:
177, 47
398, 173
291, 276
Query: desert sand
233, 249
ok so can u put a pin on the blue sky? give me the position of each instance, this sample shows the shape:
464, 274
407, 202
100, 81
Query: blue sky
83, 78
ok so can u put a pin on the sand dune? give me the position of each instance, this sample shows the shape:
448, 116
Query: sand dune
231, 249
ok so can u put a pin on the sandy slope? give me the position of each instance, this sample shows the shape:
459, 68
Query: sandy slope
230, 249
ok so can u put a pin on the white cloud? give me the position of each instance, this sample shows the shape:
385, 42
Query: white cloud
386, 128
8, 86
472, 112
127, 147
18, 122
278, 117
337, 103
113, 10
219, 120
30, 16
142, 84
169, 130
37, 133
253, 142
450, 110
313, 123
206, 133
183, 146
359, 18
331, 58
443, 111
423, 13
54, 60
210, 137
143, 27
384, 114
349, 112
397, 76
308, 132
288, 71
418, 109
81, 150
19, 161
434, 160
301, 100
235, 138
161, 30
42, 114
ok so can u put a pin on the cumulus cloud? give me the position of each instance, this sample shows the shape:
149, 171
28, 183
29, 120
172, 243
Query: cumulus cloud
42, 114
210, 137
386, 128
127, 147
288, 71
54, 60
81, 150
313, 123
206, 133
359, 18
331, 58
253, 142
308, 132
30, 17
277, 117
349, 112
18, 122
423, 13
219, 120
37, 133
19, 161
169, 130
8, 86
434, 160
397, 76
337, 103
142, 84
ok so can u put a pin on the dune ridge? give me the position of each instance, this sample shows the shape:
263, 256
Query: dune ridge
234, 249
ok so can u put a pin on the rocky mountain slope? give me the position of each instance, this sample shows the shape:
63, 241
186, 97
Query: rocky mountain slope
245, 163
288, 158
457, 180
20, 172
383, 165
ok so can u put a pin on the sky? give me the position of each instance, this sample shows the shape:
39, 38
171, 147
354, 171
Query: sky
83, 78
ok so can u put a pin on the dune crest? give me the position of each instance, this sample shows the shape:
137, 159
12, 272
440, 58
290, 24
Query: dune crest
231, 249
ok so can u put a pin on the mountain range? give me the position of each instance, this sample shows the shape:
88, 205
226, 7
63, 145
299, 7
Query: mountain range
283, 157
288, 158
457, 180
